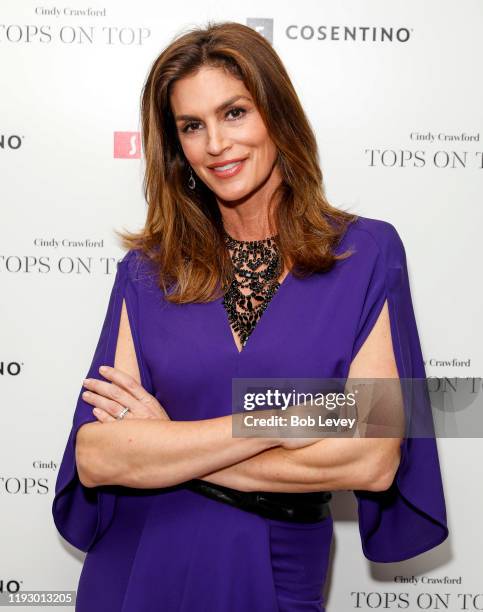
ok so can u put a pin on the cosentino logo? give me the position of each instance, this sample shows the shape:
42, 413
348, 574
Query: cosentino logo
10, 368
334, 32
348, 33
10, 142
10, 585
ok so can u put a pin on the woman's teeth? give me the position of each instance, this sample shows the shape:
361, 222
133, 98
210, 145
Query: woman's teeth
227, 167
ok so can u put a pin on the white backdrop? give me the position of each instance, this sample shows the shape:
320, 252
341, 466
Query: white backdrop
397, 121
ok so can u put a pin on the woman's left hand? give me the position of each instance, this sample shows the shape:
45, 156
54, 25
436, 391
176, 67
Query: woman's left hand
109, 398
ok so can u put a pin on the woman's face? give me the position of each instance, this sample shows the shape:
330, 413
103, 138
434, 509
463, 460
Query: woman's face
217, 123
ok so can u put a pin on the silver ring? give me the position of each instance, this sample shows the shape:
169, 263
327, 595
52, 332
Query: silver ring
123, 413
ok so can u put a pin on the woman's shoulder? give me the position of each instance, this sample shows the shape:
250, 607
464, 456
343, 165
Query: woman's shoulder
371, 230
138, 267
374, 237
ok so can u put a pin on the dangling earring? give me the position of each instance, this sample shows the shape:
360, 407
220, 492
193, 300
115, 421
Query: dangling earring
191, 181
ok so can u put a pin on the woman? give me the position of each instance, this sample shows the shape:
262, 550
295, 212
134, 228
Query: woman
152, 484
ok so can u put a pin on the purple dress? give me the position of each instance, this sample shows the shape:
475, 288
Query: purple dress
174, 550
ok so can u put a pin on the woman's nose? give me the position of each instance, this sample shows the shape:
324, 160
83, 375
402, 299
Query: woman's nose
217, 140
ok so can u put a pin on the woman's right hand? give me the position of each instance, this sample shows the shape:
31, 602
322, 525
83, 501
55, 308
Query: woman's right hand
123, 391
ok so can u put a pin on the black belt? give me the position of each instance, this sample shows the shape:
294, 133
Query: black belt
309, 507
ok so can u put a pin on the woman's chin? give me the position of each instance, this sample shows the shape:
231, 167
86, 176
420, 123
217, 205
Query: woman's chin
231, 194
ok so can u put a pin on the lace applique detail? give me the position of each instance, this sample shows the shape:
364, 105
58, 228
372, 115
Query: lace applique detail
256, 267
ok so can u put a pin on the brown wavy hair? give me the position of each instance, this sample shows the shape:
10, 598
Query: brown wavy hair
183, 229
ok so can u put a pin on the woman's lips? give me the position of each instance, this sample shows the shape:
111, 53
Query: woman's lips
232, 169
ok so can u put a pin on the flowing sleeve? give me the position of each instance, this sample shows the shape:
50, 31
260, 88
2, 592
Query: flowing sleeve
410, 517
83, 514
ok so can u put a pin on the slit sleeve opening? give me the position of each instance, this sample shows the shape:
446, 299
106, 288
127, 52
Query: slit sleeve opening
410, 517
83, 514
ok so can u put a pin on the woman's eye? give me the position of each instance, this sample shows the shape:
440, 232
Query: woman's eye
188, 125
238, 111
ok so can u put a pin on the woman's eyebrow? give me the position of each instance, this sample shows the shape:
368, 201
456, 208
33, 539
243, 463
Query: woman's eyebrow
219, 108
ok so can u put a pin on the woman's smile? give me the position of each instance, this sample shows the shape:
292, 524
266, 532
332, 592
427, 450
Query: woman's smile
228, 170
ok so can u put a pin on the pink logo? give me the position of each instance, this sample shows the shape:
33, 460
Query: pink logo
127, 145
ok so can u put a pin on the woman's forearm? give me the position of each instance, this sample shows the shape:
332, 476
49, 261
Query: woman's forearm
328, 465
151, 453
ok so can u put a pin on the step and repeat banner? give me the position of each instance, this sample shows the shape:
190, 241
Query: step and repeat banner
394, 94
